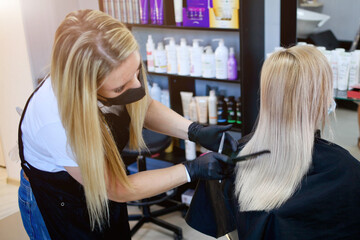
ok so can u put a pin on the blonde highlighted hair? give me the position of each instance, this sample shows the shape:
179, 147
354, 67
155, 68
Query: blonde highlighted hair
88, 45
296, 92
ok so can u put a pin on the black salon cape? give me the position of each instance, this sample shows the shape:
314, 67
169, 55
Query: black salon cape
327, 205
61, 199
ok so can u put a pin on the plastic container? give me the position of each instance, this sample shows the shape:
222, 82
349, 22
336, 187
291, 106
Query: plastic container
208, 63
190, 150
221, 111
171, 56
156, 92
221, 59
160, 59
193, 110
238, 113
150, 47
183, 58
195, 58
231, 110
212, 108
232, 66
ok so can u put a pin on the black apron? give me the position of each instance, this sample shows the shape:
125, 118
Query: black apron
61, 198
326, 206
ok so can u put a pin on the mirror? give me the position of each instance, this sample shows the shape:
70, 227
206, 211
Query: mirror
333, 21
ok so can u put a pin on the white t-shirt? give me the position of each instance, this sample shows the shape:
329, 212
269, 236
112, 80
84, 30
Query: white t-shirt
43, 135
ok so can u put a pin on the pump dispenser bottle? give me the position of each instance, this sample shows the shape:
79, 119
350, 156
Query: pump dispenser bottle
232, 65
221, 59
208, 63
171, 56
183, 58
150, 47
160, 59
195, 58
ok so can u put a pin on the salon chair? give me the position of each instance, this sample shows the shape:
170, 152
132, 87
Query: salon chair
156, 144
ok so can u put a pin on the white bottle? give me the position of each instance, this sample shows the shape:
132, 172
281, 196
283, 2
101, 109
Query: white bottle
171, 56
190, 150
193, 110
221, 58
183, 58
165, 97
156, 92
212, 108
160, 59
195, 58
150, 47
208, 63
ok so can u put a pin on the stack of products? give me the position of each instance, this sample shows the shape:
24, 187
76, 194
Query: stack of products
192, 60
345, 66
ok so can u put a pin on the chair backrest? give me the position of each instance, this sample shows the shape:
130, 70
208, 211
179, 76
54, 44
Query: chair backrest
156, 143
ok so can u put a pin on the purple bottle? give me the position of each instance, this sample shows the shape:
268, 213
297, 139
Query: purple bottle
153, 11
159, 10
232, 65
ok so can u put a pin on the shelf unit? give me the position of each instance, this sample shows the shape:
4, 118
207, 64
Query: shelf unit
251, 41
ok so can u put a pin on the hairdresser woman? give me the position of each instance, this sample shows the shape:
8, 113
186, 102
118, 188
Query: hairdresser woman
66, 134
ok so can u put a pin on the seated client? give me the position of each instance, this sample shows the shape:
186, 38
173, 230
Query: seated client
307, 187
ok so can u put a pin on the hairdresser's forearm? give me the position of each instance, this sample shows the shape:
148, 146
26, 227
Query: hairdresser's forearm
160, 118
150, 183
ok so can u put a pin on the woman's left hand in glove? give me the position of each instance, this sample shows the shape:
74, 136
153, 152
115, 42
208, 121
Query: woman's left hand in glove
210, 136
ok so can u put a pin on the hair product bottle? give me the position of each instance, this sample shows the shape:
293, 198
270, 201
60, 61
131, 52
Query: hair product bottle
221, 59
156, 92
171, 56
232, 65
221, 111
231, 110
208, 63
160, 59
183, 60
238, 112
212, 108
150, 47
195, 58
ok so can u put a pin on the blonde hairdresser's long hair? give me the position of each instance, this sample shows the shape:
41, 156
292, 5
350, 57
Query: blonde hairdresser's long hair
296, 92
88, 46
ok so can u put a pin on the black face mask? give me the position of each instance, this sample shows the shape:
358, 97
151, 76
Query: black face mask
129, 96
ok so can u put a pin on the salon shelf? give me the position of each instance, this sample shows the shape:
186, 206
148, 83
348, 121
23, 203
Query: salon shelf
195, 78
181, 27
342, 95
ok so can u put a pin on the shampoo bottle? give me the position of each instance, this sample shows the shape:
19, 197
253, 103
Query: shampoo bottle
212, 108
160, 59
238, 113
183, 58
193, 110
156, 92
208, 63
231, 110
221, 59
221, 111
232, 65
171, 56
195, 58
150, 47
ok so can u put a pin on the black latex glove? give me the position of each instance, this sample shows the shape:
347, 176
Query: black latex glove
210, 166
210, 136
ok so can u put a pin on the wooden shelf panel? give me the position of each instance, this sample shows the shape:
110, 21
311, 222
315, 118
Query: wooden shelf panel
195, 78
181, 27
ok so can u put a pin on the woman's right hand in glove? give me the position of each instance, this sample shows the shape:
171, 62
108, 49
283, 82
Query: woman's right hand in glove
210, 166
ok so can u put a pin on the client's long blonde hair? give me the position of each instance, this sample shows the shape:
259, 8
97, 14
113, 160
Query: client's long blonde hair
88, 46
296, 92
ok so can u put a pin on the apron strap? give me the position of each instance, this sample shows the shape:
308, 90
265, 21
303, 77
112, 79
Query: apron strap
25, 166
